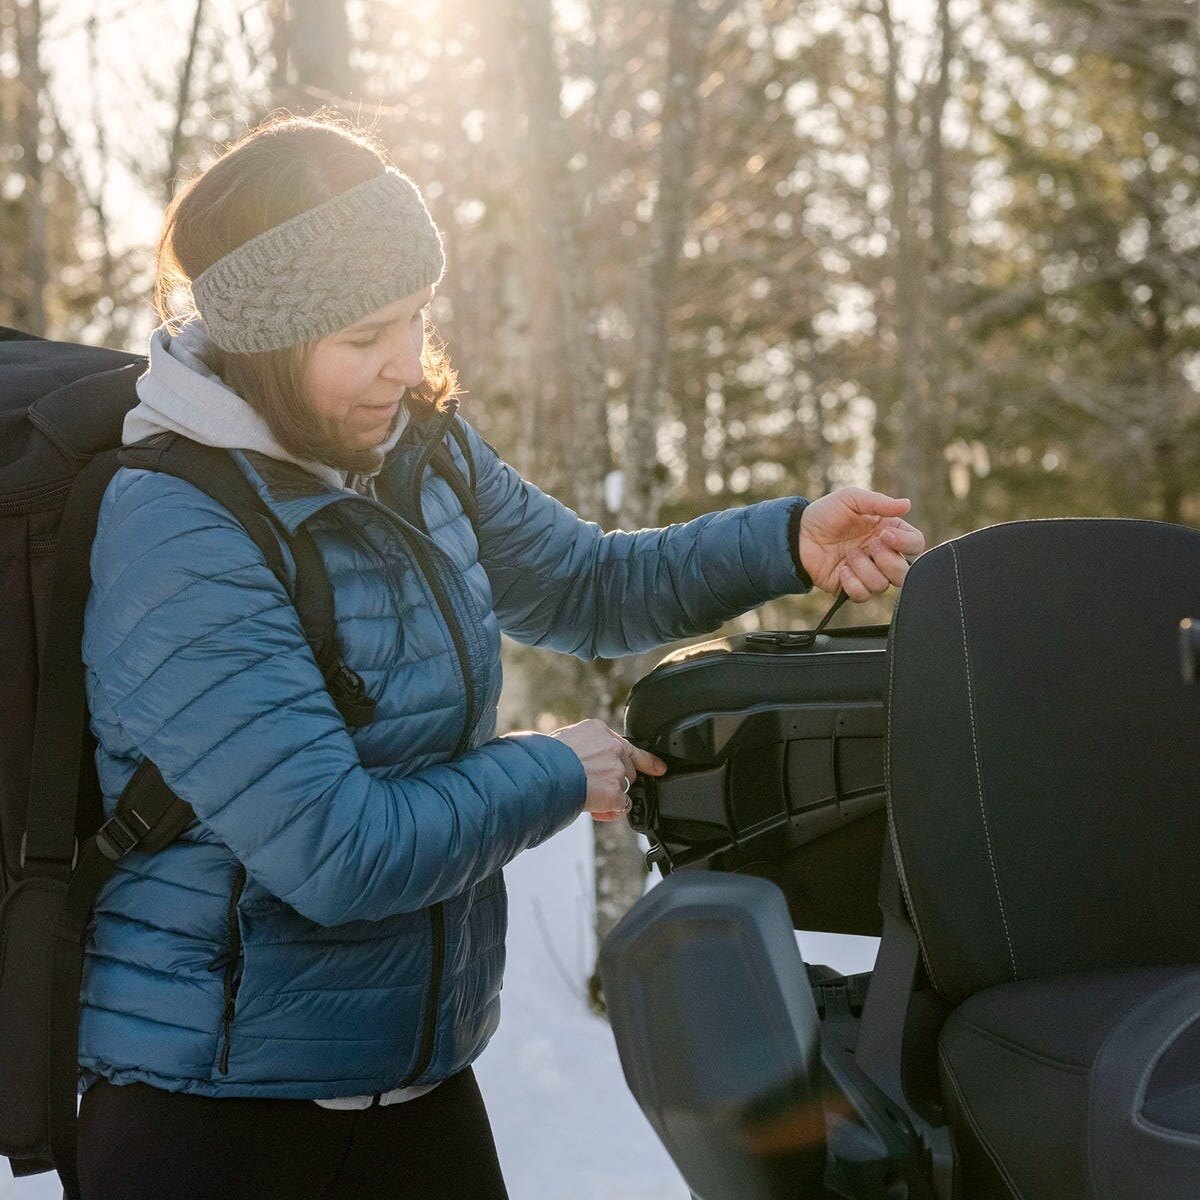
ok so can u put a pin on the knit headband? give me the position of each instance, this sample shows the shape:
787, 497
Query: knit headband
323, 269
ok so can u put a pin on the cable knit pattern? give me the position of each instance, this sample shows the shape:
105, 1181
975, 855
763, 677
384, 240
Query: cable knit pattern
302, 895
323, 269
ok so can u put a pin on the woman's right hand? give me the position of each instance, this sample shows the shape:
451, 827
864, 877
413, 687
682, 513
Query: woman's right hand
609, 760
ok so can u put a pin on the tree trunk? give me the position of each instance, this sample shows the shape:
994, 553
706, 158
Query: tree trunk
30, 299
116, 319
320, 49
311, 44
687, 44
281, 36
557, 212
620, 872
908, 302
940, 417
583, 396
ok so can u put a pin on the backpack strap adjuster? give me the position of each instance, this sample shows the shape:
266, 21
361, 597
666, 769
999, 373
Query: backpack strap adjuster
349, 694
115, 838
21, 851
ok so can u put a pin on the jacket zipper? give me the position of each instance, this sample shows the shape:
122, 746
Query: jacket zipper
231, 982
437, 928
437, 917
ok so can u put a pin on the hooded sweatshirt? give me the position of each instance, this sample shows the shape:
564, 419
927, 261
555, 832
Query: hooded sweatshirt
179, 393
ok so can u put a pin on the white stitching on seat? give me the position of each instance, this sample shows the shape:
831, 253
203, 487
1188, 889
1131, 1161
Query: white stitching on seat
987, 833
1001, 1169
893, 835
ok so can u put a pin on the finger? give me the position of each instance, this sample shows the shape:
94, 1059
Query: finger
612, 814
852, 585
893, 565
904, 539
627, 765
624, 749
619, 789
876, 503
644, 761
867, 571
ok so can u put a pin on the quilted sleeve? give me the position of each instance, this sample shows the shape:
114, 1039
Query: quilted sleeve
562, 582
198, 650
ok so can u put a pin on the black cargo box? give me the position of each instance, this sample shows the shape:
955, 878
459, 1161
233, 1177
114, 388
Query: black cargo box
775, 746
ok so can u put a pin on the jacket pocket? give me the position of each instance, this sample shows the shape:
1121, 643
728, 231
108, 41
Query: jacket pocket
232, 962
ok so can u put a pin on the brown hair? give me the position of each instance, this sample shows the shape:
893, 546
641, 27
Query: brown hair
277, 170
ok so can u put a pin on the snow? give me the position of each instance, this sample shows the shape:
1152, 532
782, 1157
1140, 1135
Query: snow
564, 1121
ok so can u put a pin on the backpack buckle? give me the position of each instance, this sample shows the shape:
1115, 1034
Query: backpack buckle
115, 839
349, 694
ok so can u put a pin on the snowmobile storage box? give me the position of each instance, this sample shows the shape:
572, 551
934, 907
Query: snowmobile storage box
775, 748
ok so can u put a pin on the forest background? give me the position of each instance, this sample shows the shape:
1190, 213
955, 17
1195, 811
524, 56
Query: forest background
701, 252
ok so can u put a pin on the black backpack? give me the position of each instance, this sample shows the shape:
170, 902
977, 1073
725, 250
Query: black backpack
62, 407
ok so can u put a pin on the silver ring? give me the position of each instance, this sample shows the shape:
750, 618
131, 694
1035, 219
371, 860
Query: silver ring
625, 789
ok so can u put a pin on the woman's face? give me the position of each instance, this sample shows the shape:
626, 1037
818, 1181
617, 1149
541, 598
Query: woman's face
357, 377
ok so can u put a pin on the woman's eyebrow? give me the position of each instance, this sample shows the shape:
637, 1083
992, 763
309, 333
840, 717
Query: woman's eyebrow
371, 325
364, 327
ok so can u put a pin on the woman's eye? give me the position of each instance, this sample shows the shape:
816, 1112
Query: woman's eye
370, 341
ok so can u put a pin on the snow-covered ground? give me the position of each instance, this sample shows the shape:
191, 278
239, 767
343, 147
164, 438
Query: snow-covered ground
564, 1120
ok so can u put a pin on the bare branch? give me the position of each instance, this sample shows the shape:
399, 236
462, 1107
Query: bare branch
183, 100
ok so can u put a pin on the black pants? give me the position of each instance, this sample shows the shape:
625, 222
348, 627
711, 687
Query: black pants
141, 1143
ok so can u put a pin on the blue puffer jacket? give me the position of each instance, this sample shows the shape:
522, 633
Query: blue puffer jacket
334, 923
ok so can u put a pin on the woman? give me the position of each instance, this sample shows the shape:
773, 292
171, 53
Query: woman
288, 1000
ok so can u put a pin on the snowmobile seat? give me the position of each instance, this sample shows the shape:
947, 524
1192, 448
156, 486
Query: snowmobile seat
1043, 765
1072, 1082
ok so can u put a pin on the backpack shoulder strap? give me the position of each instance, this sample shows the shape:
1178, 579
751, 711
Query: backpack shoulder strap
214, 472
443, 463
458, 431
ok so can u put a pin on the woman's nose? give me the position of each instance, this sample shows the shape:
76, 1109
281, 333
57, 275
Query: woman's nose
404, 367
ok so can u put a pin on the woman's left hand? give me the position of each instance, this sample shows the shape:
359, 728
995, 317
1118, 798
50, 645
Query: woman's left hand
855, 539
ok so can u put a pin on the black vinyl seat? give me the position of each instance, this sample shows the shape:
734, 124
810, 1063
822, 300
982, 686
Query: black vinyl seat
1044, 1083
1044, 807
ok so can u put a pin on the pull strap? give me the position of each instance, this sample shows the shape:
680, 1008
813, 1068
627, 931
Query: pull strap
832, 611
781, 639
